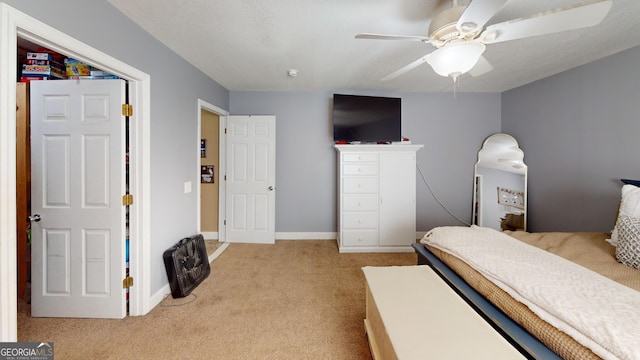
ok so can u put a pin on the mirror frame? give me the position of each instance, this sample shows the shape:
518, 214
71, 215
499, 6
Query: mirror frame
492, 155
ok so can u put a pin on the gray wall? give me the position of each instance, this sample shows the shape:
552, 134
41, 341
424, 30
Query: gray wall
175, 89
451, 129
579, 131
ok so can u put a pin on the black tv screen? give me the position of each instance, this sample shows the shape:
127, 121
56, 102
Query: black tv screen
366, 118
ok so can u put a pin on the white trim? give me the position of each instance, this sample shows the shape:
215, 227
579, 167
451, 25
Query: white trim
203, 105
222, 173
8, 272
376, 249
160, 295
14, 24
210, 235
218, 252
321, 235
306, 236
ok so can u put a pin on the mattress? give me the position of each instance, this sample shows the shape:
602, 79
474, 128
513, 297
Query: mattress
586, 249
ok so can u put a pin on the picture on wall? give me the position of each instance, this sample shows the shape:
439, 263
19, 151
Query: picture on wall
203, 148
510, 197
206, 174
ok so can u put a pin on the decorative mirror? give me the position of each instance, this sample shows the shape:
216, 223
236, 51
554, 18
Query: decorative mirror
500, 185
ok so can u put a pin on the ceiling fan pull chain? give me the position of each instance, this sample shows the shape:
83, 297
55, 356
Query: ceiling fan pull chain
456, 84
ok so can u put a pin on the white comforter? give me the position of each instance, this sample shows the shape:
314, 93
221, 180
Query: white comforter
599, 313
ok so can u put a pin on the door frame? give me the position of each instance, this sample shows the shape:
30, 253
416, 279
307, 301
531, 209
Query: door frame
13, 25
222, 114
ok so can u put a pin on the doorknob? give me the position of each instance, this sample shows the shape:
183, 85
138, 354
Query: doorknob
270, 188
34, 217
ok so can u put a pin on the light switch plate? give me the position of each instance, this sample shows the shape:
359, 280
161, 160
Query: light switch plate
187, 187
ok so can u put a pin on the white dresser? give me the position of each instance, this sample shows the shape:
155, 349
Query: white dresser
377, 197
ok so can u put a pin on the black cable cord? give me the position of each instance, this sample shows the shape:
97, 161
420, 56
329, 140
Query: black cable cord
436, 198
193, 295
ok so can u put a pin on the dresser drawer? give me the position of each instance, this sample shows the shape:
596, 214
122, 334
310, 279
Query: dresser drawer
359, 238
360, 157
360, 220
360, 169
360, 202
360, 185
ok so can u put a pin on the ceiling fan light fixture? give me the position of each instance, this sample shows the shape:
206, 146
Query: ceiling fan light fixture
468, 27
456, 58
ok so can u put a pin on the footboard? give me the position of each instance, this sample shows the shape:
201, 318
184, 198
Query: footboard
512, 332
413, 314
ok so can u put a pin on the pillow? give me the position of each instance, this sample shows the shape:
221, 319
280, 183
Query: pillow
628, 249
631, 182
626, 234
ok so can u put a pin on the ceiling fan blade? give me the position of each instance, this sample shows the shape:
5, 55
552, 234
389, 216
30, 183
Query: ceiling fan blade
482, 67
476, 15
578, 16
392, 37
406, 68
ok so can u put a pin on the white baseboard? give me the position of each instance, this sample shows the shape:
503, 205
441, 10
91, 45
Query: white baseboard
218, 251
306, 236
210, 235
321, 235
159, 295
376, 249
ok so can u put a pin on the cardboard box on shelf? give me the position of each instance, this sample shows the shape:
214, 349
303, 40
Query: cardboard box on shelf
77, 68
42, 70
39, 56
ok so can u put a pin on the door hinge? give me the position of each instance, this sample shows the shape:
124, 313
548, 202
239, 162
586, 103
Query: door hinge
225, 222
127, 199
225, 178
127, 282
225, 130
127, 110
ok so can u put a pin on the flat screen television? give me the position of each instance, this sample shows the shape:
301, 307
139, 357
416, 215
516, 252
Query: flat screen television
366, 119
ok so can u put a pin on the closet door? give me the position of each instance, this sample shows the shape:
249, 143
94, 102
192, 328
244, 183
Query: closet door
78, 180
397, 225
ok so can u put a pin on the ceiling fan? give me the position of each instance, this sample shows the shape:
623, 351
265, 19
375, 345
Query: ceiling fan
460, 36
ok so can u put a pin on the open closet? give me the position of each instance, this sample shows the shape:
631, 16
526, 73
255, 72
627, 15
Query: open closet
36, 63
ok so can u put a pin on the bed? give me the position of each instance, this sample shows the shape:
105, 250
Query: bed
601, 322
553, 294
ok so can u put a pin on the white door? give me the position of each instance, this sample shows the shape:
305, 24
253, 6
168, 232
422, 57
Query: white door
251, 166
397, 198
78, 155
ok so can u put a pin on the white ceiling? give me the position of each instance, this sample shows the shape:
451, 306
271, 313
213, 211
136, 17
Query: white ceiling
250, 44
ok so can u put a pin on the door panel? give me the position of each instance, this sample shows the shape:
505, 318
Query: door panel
251, 179
78, 155
397, 199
